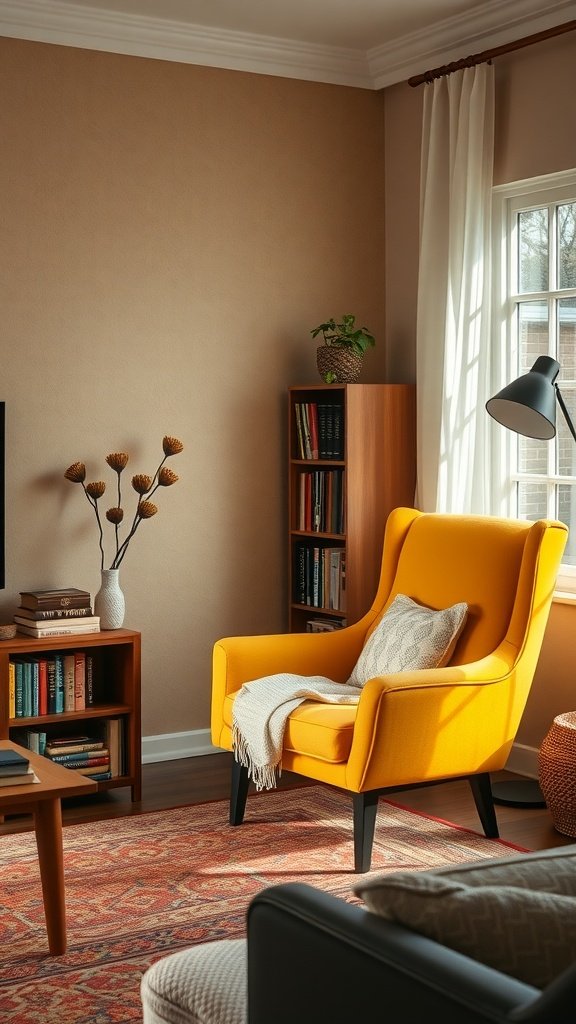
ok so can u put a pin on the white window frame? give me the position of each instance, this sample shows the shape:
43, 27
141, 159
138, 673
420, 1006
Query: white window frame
508, 201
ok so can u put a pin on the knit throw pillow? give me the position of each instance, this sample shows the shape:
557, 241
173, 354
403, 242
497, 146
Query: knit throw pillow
409, 636
517, 927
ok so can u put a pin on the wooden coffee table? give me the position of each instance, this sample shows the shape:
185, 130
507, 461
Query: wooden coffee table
43, 800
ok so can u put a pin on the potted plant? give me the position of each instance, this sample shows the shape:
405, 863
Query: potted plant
339, 359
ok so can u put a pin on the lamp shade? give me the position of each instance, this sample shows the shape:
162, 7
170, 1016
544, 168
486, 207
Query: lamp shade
528, 404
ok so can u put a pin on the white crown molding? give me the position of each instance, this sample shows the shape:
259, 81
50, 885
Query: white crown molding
488, 25
69, 25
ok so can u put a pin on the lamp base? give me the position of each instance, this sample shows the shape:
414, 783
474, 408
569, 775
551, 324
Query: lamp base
519, 793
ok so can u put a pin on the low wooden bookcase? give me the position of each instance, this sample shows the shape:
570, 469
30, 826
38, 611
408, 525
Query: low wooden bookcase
117, 665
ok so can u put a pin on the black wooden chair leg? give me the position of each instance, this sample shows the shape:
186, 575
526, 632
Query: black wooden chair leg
482, 793
238, 792
365, 809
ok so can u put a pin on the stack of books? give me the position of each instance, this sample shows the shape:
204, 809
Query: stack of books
85, 754
64, 612
50, 683
15, 769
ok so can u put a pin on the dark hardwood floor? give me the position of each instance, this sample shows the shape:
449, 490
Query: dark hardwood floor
200, 779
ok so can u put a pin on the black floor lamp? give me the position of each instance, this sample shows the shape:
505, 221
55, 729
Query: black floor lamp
528, 406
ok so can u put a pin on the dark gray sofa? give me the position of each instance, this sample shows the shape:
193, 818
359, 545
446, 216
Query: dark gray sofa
488, 941
313, 958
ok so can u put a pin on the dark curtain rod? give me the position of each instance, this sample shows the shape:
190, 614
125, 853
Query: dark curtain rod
487, 55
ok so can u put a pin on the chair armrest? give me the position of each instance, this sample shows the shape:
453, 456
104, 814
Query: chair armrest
313, 957
444, 721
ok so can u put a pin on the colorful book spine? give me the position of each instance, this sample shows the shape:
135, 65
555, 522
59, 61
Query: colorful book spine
79, 680
69, 681
95, 756
73, 748
100, 763
59, 682
51, 675
42, 686
11, 690
27, 689
90, 687
35, 687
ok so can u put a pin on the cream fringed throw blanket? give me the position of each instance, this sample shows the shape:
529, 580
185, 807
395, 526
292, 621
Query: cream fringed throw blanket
261, 708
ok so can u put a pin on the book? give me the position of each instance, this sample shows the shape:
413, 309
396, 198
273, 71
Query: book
79, 680
11, 689
34, 739
19, 687
59, 682
95, 770
89, 684
306, 431
299, 433
19, 780
323, 625
52, 614
313, 423
26, 689
83, 757
32, 668
322, 411
61, 630
42, 670
12, 761
338, 433
62, 747
51, 675
64, 741
67, 597
44, 624
69, 682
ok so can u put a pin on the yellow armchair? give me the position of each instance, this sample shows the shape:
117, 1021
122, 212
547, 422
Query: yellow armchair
413, 728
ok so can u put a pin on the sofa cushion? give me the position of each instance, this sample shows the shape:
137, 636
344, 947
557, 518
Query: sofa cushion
409, 636
516, 914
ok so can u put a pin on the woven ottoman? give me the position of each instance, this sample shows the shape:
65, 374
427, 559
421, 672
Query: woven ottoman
206, 984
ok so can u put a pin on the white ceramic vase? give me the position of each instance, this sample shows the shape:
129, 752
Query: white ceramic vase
109, 602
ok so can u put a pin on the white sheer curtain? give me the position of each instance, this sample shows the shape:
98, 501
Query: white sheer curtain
453, 317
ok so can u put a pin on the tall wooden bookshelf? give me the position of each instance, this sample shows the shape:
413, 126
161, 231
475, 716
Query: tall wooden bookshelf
337, 516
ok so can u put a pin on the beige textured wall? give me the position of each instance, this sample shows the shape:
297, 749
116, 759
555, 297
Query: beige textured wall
534, 134
170, 234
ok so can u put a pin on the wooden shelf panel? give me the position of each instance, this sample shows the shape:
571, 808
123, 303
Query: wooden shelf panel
97, 711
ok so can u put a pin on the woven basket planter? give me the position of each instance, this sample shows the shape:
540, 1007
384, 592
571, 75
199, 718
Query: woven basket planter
342, 362
557, 772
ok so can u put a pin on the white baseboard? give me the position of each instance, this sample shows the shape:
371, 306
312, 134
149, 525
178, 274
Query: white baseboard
523, 760
173, 745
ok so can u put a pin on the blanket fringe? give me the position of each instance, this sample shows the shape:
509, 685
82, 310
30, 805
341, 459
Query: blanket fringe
264, 776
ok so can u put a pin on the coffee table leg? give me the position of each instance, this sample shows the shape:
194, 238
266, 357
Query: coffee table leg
48, 825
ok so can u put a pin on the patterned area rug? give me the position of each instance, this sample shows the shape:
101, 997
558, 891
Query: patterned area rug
142, 886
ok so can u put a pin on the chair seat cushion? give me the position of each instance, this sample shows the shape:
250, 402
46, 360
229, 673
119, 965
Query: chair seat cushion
206, 984
318, 730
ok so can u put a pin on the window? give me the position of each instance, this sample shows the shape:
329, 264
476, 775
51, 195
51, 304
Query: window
535, 266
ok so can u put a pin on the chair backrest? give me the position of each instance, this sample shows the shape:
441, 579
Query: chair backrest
505, 569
